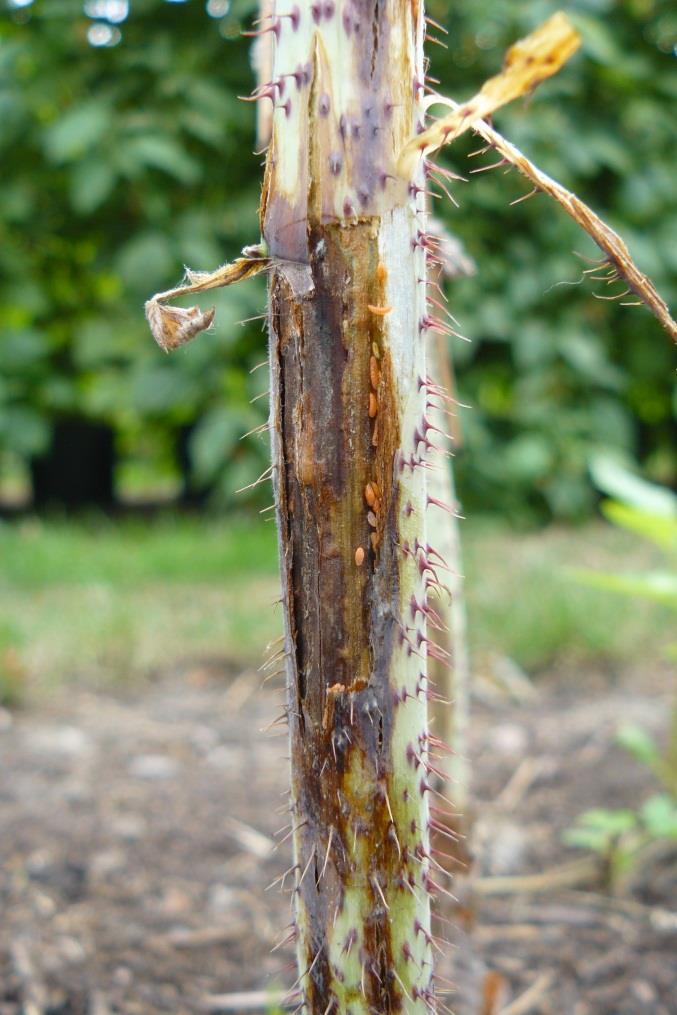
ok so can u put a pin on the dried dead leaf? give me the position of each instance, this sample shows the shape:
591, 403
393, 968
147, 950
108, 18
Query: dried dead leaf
172, 326
528, 62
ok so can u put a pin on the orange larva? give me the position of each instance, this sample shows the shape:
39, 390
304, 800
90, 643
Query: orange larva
379, 311
374, 540
374, 372
381, 272
373, 405
369, 494
359, 556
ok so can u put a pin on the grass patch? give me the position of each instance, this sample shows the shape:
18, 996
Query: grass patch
125, 553
109, 601
524, 603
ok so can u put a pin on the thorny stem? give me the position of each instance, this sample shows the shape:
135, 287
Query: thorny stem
348, 246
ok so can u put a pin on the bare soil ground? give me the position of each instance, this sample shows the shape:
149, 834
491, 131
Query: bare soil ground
137, 835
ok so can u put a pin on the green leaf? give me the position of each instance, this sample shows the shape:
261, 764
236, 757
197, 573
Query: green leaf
21, 349
600, 830
660, 586
23, 430
639, 743
77, 131
529, 456
617, 481
95, 343
159, 152
92, 181
598, 39
160, 388
212, 444
659, 528
588, 838
146, 264
659, 816
613, 822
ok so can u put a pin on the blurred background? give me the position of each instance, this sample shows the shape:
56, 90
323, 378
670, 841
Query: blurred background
127, 154
126, 555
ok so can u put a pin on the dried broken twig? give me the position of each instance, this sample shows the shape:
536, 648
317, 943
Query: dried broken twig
569, 875
255, 1000
527, 1001
172, 326
528, 62
617, 255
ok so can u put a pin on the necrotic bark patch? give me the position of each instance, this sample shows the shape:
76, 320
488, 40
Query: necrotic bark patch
343, 618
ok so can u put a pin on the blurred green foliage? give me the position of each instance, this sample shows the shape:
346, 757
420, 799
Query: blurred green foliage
552, 373
126, 154
650, 512
121, 163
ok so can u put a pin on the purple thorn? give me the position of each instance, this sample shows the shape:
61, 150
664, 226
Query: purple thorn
297, 75
275, 27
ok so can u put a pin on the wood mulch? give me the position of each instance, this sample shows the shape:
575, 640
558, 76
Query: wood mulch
137, 835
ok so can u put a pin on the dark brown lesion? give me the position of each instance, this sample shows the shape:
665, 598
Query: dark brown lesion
341, 616
322, 350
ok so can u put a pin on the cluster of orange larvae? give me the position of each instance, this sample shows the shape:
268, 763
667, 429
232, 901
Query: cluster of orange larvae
372, 492
372, 495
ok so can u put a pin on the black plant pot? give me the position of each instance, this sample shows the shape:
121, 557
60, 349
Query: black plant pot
77, 469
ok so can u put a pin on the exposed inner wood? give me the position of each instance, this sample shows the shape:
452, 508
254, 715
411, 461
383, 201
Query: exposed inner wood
358, 814
343, 617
